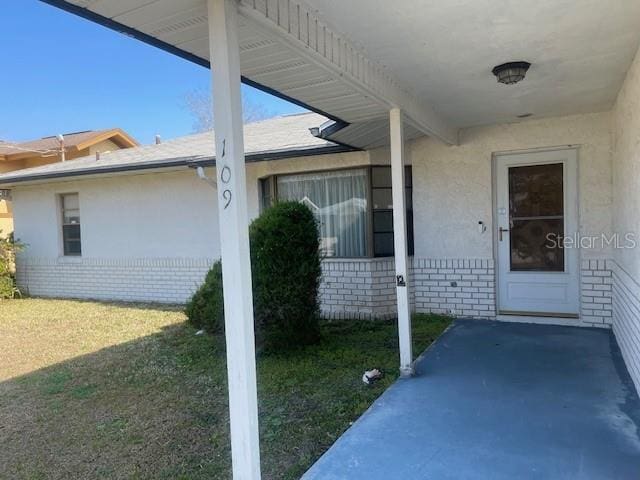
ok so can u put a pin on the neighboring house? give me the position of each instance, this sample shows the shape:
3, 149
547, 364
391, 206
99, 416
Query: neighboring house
43, 151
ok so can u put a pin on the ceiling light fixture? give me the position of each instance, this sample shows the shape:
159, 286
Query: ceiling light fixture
511, 72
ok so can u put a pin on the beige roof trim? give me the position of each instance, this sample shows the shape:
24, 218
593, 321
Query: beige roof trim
119, 136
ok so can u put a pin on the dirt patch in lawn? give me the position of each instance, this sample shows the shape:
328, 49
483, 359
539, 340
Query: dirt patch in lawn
92, 390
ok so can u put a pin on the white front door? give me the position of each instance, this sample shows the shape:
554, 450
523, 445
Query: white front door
536, 206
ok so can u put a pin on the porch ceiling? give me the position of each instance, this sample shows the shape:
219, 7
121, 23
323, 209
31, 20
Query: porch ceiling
353, 60
283, 49
445, 50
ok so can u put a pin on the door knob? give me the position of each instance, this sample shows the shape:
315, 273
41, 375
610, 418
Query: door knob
501, 231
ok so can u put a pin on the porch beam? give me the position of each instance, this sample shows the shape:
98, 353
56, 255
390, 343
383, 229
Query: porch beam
400, 240
234, 238
299, 28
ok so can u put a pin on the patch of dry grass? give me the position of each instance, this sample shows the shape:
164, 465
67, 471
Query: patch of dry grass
92, 390
37, 333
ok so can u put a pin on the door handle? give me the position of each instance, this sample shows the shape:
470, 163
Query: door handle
501, 231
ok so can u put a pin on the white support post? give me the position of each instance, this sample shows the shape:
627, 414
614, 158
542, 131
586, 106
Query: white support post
234, 238
400, 241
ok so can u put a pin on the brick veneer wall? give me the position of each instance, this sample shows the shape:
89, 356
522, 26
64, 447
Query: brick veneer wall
462, 287
365, 288
358, 288
626, 318
171, 280
350, 288
596, 300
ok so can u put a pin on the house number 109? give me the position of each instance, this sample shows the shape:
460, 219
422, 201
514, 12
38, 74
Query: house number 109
225, 177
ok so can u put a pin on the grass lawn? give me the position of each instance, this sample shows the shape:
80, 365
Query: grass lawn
91, 390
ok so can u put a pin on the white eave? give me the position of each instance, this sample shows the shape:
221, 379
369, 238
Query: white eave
287, 50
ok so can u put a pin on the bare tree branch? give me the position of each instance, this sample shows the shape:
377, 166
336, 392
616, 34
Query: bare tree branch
200, 105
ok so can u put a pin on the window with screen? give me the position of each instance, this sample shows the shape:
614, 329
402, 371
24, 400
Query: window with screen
354, 207
536, 217
382, 208
71, 224
266, 193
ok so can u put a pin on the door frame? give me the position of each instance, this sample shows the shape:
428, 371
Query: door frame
529, 316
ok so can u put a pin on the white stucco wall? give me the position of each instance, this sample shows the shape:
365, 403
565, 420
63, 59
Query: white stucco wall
626, 218
161, 215
453, 184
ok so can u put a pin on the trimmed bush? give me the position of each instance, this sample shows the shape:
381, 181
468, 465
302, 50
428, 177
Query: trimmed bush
205, 310
285, 262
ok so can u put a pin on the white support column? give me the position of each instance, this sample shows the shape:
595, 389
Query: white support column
234, 238
400, 241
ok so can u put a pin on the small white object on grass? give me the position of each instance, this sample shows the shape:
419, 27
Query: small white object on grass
371, 376
200, 332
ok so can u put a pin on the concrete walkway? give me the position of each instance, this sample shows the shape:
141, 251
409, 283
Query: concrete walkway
496, 401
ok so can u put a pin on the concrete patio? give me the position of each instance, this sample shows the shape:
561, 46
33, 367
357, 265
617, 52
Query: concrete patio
496, 400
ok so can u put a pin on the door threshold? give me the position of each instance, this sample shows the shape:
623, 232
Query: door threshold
538, 314
540, 319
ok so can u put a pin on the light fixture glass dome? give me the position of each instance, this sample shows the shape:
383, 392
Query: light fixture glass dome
511, 72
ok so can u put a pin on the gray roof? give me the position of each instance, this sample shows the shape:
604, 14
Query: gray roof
280, 137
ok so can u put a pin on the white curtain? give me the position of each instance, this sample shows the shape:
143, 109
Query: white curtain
339, 202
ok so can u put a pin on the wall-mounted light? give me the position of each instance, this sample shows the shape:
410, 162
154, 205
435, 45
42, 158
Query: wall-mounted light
511, 72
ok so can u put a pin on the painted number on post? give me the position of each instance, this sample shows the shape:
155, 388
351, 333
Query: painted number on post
225, 178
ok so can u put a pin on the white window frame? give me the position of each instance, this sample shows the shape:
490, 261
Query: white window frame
61, 216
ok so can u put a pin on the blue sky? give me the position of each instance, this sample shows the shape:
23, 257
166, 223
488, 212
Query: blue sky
60, 73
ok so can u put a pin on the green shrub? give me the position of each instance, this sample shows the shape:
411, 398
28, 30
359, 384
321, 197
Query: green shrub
8, 249
285, 263
7, 287
205, 310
